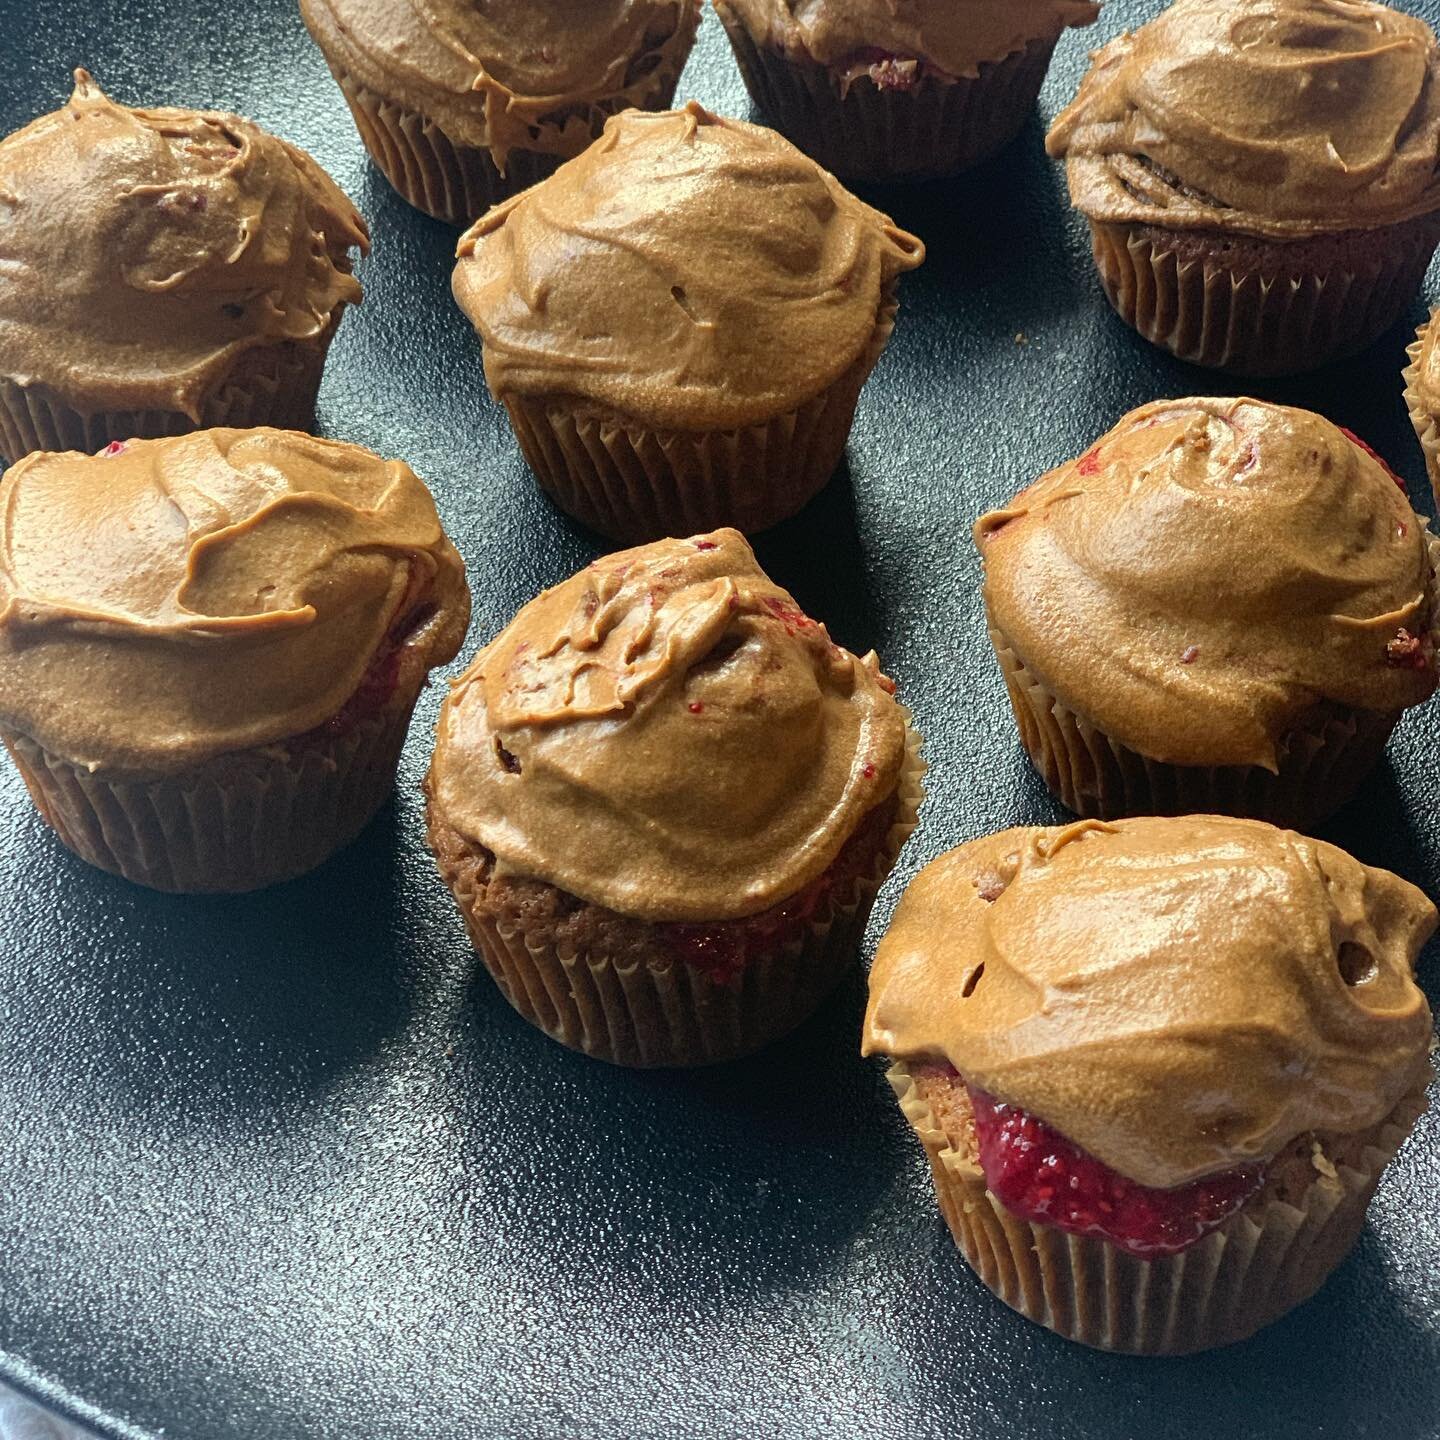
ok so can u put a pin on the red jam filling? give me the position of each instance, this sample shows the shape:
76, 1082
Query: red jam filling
721, 951
1379, 459
1039, 1175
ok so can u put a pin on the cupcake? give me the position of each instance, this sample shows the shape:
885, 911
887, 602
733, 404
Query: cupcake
1221, 606
1157, 1066
664, 802
898, 89
462, 104
1260, 177
680, 321
164, 270
210, 647
1422, 397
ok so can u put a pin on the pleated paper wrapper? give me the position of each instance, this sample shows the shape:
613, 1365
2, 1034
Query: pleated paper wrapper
1422, 416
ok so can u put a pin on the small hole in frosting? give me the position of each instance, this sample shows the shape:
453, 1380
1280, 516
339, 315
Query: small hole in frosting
1357, 964
510, 763
990, 888
972, 980
231, 311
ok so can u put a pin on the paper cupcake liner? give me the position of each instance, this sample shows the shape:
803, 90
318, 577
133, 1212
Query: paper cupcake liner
1422, 417
1259, 1264
633, 484
935, 129
1255, 324
448, 179
238, 823
640, 1015
1321, 763
269, 385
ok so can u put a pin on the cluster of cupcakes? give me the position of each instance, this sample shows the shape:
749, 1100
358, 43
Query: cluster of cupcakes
1157, 1058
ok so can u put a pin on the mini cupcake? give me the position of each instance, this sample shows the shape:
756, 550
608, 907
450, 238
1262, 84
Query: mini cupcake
680, 322
462, 104
210, 647
1422, 396
1157, 1067
1221, 606
1259, 177
664, 802
164, 270
898, 89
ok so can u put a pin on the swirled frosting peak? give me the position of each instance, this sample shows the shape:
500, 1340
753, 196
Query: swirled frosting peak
1178, 997
143, 251
1278, 118
953, 36
667, 735
1208, 574
687, 270
510, 74
168, 601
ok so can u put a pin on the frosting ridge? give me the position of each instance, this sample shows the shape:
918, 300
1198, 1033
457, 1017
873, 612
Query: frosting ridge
665, 734
1177, 996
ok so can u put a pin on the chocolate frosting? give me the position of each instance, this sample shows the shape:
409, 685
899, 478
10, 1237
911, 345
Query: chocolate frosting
954, 36
1178, 997
1208, 573
509, 74
143, 251
690, 271
665, 734
184, 598
1275, 118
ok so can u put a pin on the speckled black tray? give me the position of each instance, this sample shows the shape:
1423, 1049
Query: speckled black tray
289, 1166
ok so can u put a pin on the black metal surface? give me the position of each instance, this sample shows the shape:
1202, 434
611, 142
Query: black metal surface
289, 1166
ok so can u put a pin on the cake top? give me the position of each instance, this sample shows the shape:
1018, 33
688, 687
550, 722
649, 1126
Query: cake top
691, 271
1278, 118
187, 238
1178, 997
508, 74
1208, 574
665, 734
953, 36
168, 601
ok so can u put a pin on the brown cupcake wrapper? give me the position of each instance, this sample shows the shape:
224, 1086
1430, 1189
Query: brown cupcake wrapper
238, 823
1253, 1269
634, 484
935, 129
1321, 764
1228, 318
643, 1016
1425, 421
269, 385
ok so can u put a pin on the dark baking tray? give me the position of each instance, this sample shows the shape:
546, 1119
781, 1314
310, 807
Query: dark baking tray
288, 1165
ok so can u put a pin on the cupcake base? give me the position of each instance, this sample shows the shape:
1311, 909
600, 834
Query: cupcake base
1422, 417
1258, 307
610, 1001
634, 484
1266, 1259
1321, 764
238, 823
935, 128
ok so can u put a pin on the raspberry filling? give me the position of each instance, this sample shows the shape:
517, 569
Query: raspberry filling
721, 951
1379, 459
1039, 1175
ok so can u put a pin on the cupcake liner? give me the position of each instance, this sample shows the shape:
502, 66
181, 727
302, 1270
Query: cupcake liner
1321, 762
634, 484
268, 385
645, 1016
1424, 419
1259, 1264
937, 128
1227, 317
238, 823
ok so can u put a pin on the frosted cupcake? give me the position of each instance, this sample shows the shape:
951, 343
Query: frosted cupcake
679, 323
1259, 176
1221, 606
210, 647
664, 801
165, 270
1157, 1067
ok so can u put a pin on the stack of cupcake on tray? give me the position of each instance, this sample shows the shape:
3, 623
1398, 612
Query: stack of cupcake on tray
1157, 1064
